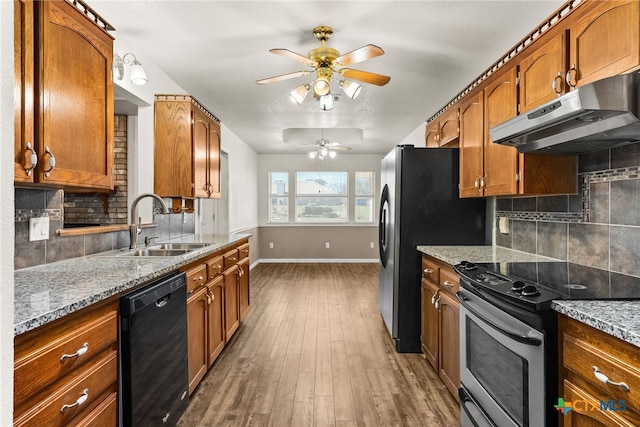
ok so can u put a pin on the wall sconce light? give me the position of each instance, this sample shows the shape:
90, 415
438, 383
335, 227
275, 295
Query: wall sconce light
138, 76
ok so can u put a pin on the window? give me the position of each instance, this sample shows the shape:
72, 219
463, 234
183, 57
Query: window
322, 197
278, 196
364, 197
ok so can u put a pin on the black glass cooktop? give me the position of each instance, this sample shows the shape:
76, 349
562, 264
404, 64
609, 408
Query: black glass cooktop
572, 281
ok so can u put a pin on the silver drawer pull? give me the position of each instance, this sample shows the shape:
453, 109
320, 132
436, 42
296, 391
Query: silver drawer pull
448, 283
83, 398
82, 350
605, 379
428, 271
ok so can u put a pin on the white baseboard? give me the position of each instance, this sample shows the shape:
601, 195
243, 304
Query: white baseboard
315, 260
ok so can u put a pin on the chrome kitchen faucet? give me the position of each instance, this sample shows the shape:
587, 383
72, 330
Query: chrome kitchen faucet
134, 227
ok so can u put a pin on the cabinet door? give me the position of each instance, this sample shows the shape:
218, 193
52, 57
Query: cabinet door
75, 118
243, 298
213, 179
605, 41
431, 134
449, 127
429, 324
542, 72
172, 159
197, 336
471, 145
231, 302
449, 343
200, 152
215, 318
23, 91
500, 161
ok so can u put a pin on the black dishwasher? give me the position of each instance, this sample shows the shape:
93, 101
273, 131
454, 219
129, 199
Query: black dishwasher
154, 364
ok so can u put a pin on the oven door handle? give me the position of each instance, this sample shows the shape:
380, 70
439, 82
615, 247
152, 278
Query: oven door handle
465, 398
513, 335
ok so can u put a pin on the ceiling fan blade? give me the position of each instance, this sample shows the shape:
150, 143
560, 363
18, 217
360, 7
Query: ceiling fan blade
292, 55
365, 76
361, 54
340, 148
282, 77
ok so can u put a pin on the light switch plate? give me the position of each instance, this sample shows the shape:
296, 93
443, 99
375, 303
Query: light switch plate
503, 225
38, 228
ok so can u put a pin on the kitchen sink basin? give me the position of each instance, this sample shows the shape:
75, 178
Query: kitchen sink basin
150, 252
181, 246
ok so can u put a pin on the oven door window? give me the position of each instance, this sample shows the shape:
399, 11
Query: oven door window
501, 372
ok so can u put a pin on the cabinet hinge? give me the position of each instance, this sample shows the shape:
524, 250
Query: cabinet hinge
518, 177
518, 79
518, 108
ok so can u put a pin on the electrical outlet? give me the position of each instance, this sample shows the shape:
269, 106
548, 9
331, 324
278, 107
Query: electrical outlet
371, 245
503, 225
270, 245
326, 245
38, 228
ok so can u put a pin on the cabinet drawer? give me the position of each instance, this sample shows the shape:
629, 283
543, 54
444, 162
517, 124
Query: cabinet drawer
449, 281
581, 354
85, 388
243, 251
230, 258
47, 363
105, 414
430, 271
196, 276
215, 266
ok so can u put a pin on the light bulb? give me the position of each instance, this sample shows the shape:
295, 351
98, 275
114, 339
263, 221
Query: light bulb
332, 154
326, 102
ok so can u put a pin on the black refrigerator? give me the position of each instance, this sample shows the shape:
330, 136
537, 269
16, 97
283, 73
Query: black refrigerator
419, 205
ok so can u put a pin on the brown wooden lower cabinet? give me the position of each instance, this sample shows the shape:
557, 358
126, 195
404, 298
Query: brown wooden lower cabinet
440, 334
583, 350
216, 299
66, 372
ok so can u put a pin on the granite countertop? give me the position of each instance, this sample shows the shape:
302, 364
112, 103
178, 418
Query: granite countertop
618, 318
48, 292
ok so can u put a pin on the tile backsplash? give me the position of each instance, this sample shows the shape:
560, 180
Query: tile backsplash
598, 227
36, 203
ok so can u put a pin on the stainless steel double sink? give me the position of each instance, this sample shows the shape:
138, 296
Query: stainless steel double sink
160, 250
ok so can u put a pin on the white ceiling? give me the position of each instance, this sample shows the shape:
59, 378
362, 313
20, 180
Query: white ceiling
216, 50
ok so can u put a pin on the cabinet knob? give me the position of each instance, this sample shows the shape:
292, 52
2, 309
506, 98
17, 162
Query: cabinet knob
605, 379
33, 158
571, 76
557, 84
83, 398
52, 161
82, 350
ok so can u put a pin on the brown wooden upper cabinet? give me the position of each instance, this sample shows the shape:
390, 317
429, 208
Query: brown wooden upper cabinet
488, 169
445, 130
187, 148
601, 39
64, 88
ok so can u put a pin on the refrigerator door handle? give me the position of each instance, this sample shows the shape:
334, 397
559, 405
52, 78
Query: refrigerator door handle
382, 227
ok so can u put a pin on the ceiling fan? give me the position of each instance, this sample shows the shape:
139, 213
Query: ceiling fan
326, 62
325, 148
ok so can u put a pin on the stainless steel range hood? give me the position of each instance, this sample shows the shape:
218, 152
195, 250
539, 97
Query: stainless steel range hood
599, 115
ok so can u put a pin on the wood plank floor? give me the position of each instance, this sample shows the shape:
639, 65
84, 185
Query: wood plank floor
314, 351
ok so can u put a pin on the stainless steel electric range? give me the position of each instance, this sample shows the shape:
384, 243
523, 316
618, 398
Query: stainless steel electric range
508, 335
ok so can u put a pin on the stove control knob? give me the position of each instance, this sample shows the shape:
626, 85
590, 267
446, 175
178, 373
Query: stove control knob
530, 291
517, 286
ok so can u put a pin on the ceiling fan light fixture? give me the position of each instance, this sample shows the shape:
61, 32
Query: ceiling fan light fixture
300, 93
321, 86
313, 154
351, 89
332, 154
326, 102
